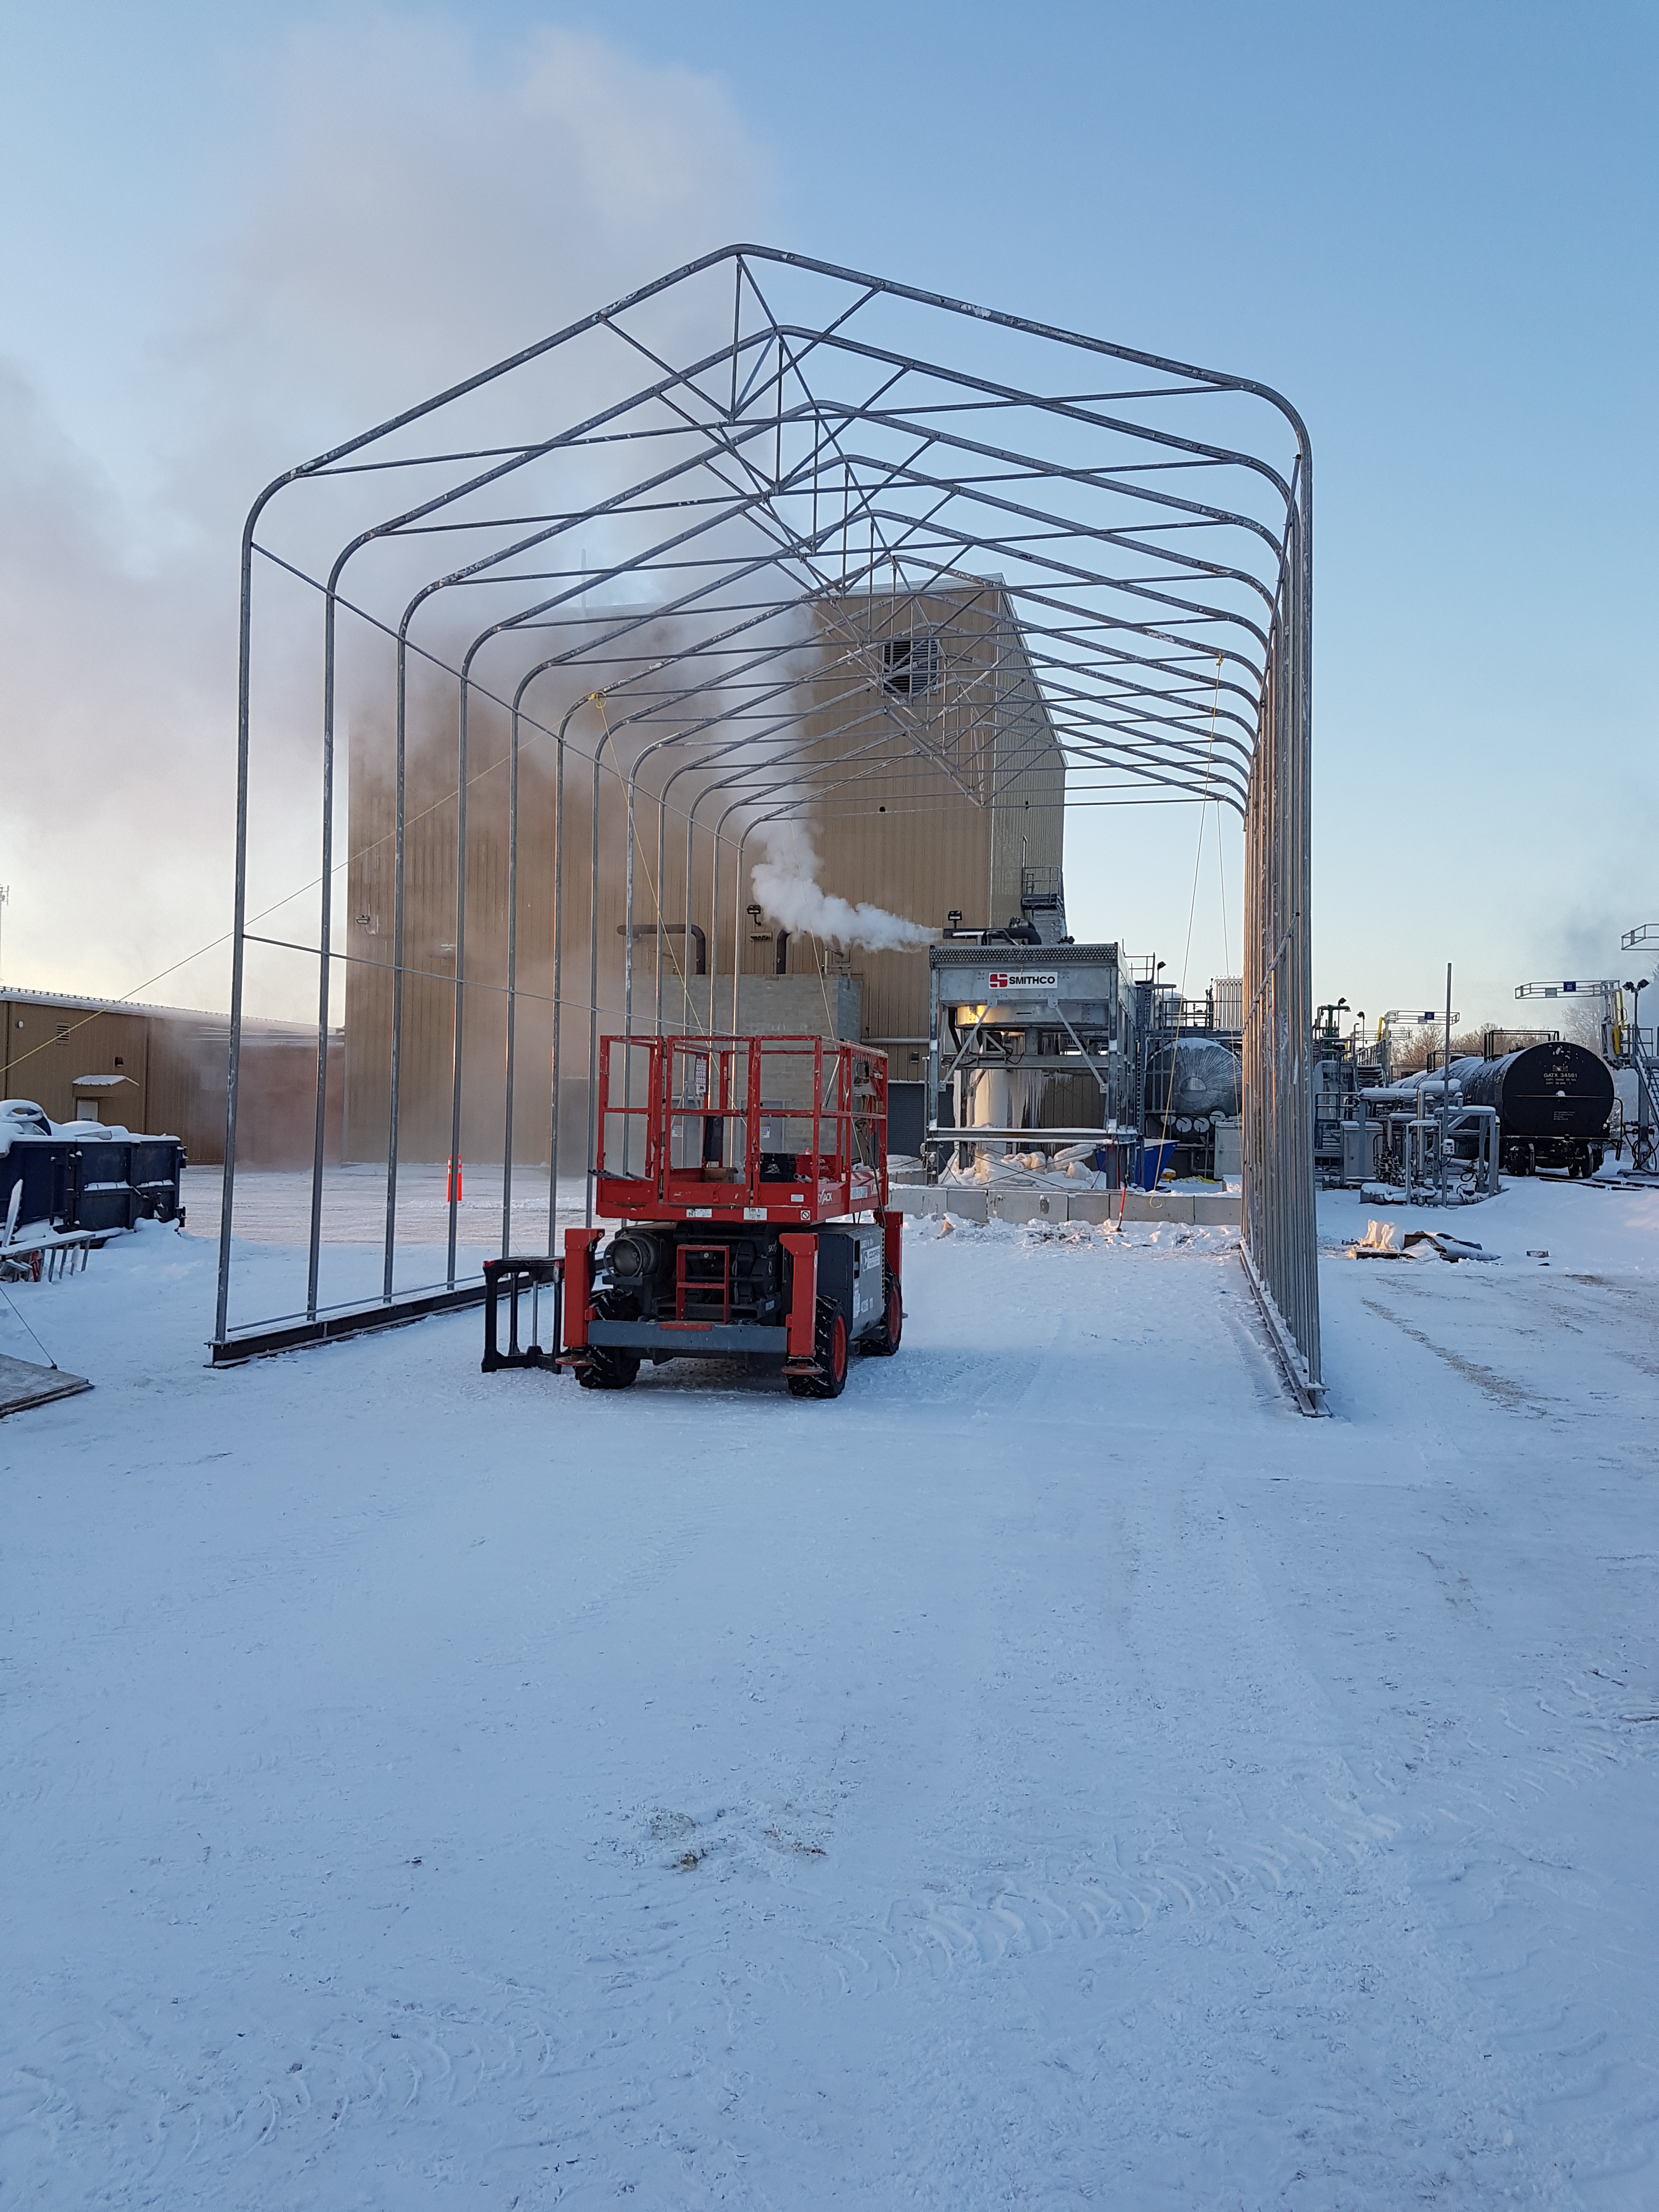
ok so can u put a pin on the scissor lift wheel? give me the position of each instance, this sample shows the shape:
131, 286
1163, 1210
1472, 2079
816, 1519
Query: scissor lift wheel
829, 1351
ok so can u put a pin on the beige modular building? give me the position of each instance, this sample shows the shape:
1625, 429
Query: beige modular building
916, 762
163, 1070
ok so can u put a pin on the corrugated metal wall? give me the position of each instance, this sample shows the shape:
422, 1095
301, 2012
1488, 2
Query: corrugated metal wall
49, 1043
175, 1061
956, 787
967, 787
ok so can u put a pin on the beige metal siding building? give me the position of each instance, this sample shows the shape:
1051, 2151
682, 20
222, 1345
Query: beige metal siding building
172, 1063
926, 776
966, 792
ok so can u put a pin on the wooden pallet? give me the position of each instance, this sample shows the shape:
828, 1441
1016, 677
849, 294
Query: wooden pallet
22, 1384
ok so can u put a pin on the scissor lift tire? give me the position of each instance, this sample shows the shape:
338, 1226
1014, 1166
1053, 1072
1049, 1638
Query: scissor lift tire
830, 1351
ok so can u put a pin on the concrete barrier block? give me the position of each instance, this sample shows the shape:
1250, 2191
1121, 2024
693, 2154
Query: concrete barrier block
1095, 1205
1203, 1208
966, 1204
1216, 1209
1157, 1205
1019, 1205
934, 1199
1213, 1209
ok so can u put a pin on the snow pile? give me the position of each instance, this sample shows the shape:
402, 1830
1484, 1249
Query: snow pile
21, 1117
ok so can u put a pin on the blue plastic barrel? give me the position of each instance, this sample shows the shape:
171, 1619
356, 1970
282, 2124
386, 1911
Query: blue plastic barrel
1154, 1159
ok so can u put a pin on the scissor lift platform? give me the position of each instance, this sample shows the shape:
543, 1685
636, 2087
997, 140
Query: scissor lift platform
749, 1176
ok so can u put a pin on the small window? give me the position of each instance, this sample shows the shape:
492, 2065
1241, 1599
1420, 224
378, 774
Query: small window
910, 665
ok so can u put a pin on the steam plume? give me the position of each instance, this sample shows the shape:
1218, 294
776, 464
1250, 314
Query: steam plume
787, 890
415, 214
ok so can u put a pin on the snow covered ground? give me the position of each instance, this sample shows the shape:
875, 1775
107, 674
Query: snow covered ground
1055, 1774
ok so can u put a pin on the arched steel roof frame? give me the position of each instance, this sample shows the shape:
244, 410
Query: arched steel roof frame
1164, 677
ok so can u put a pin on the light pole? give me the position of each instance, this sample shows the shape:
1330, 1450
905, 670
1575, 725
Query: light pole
1640, 1149
5, 901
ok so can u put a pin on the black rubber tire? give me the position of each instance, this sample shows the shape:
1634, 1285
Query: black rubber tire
609, 1368
830, 1350
883, 1342
612, 1367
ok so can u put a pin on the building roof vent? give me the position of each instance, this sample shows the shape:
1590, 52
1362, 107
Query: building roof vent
910, 665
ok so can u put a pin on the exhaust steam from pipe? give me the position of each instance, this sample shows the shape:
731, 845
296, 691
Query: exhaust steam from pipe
789, 893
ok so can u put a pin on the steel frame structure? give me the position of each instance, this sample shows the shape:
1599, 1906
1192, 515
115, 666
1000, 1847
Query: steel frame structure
781, 462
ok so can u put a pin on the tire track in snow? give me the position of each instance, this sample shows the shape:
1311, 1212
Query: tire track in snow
943, 1936
1508, 1909
318, 2093
1501, 1390
1504, 1748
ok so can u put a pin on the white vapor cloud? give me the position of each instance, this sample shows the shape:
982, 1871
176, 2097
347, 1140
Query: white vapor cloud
787, 891
414, 217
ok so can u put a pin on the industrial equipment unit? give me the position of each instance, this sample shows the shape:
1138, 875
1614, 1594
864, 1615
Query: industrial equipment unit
739, 1168
1423, 1138
1544, 1107
1192, 1075
1343, 1068
1008, 1017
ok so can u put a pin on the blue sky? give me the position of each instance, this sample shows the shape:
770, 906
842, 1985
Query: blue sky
1432, 227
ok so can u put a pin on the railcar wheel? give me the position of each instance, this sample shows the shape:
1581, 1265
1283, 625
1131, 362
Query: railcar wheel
829, 1351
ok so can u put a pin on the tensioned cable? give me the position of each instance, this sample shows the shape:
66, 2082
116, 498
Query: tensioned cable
50, 1362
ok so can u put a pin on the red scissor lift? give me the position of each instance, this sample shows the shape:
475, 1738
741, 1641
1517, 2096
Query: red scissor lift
739, 1168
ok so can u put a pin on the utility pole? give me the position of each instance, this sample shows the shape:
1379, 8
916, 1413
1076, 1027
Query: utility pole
1642, 1147
1445, 1090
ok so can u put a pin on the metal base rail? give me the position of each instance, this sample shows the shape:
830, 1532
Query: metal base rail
1308, 1396
330, 1328
941, 1133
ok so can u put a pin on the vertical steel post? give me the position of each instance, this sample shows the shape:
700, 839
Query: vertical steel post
558, 972
239, 922
594, 978
457, 1036
324, 930
511, 979
397, 967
